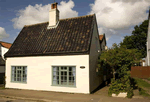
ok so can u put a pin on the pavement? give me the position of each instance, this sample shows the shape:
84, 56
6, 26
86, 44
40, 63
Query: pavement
100, 95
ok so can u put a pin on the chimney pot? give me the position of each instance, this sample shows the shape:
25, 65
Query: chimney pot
54, 5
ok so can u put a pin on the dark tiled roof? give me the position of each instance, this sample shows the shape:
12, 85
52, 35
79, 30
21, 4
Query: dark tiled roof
2, 62
5, 44
72, 35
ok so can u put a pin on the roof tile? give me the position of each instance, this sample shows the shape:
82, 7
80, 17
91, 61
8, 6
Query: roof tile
70, 36
5, 44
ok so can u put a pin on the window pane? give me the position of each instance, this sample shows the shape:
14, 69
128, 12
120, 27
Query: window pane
62, 68
71, 83
54, 68
54, 78
61, 77
69, 78
57, 73
65, 73
54, 73
54, 82
65, 78
62, 73
65, 68
70, 73
14, 78
74, 69
70, 68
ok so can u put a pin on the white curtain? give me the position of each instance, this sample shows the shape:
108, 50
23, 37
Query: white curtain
54, 68
74, 74
13, 70
54, 73
25, 74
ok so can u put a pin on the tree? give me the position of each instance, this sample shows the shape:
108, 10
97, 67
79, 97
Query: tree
138, 38
120, 59
118, 56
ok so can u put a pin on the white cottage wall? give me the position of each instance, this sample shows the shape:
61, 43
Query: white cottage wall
95, 79
39, 72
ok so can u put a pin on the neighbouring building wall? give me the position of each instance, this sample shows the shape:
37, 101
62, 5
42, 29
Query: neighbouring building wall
39, 72
3, 51
95, 80
103, 45
2, 69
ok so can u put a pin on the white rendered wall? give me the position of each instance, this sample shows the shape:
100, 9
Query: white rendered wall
39, 72
2, 69
3, 51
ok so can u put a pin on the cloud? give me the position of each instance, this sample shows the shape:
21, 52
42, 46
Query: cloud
40, 13
116, 15
3, 33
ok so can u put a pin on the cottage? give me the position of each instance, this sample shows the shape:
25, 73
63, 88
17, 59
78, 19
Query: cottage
4, 46
59, 55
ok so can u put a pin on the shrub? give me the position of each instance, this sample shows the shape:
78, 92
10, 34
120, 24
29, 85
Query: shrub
123, 84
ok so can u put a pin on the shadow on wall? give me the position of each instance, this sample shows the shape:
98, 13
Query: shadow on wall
106, 83
2, 75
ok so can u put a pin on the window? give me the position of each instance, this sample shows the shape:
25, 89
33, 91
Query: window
64, 75
19, 74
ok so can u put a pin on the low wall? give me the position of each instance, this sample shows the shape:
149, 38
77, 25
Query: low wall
140, 71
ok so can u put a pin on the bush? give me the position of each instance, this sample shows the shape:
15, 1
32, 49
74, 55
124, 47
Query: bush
123, 84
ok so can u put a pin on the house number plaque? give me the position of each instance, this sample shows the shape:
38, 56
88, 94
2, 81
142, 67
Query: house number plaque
82, 67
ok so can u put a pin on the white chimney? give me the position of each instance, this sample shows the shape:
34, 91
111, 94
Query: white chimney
53, 15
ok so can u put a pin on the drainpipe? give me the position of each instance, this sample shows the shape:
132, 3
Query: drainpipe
147, 53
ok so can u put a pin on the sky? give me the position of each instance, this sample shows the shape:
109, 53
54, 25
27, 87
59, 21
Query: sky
115, 18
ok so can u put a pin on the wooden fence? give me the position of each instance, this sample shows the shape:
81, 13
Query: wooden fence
140, 71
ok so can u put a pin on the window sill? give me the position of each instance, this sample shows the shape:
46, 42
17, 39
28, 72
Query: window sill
64, 86
18, 82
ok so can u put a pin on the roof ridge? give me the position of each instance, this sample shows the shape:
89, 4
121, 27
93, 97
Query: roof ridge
60, 20
5, 42
78, 17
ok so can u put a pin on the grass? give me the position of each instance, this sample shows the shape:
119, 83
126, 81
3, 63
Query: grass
148, 79
143, 86
143, 93
141, 83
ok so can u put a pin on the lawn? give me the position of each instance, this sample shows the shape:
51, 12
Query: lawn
148, 79
141, 83
143, 87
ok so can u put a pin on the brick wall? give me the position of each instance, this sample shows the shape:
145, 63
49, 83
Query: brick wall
140, 71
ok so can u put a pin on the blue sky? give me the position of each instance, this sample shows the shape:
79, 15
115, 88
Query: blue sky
115, 18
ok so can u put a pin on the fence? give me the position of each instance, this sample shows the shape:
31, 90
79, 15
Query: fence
140, 71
